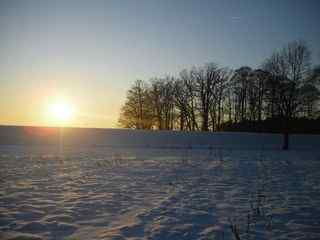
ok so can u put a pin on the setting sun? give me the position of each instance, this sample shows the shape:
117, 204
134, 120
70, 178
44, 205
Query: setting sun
61, 111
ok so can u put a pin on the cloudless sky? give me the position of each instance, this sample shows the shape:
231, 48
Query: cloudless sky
87, 53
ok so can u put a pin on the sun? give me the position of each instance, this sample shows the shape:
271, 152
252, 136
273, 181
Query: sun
61, 111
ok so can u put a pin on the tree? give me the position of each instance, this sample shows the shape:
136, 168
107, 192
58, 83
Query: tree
220, 91
212, 98
188, 88
289, 68
162, 99
181, 100
136, 112
206, 79
241, 79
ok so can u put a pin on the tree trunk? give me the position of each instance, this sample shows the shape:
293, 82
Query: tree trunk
285, 145
181, 121
285, 141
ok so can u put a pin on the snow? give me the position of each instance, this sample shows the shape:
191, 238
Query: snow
123, 138
198, 189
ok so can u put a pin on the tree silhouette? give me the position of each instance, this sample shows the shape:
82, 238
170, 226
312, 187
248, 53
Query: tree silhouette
213, 98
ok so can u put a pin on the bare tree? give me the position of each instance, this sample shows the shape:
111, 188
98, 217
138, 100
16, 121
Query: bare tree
206, 81
220, 90
136, 112
189, 89
182, 104
210, 97
241, 79
289, 68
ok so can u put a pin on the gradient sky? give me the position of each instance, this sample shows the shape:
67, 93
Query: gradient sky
88, 53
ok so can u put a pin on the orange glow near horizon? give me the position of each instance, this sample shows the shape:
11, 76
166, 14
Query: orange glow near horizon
63, 99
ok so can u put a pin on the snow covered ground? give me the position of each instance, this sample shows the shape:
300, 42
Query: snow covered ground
196, 192
11, 135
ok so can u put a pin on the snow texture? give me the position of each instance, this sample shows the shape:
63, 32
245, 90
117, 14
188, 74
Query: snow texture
198, 189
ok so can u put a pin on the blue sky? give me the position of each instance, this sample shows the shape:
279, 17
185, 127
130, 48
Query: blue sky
91, 51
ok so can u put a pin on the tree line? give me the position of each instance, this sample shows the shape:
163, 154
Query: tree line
213, 98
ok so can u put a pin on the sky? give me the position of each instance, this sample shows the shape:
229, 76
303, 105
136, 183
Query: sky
86, 54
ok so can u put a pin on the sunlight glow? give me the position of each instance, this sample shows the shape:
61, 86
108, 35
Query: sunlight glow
61, 112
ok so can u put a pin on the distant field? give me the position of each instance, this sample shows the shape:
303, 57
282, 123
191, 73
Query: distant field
150, 139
